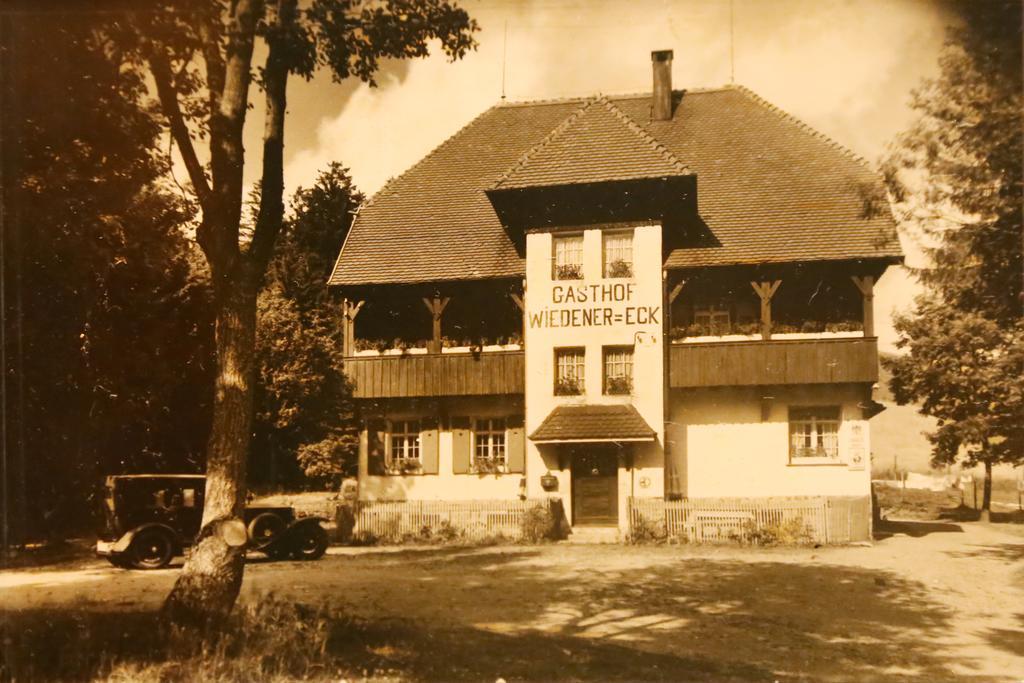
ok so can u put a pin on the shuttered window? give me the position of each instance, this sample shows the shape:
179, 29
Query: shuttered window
404, 447
489, 454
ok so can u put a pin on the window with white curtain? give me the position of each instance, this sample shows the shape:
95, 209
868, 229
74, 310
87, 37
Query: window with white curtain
618, 254
567, 258
814, 433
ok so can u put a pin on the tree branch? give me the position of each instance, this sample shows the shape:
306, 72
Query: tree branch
160, 67
275, 76
210, 37
227, 154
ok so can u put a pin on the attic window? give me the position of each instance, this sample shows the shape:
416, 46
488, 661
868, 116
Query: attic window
567, 257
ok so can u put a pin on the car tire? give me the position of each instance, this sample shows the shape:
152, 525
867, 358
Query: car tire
311, 542
118, 561
151, 549
264, 528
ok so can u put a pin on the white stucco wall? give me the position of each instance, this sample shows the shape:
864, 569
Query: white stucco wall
640, 326
719, 445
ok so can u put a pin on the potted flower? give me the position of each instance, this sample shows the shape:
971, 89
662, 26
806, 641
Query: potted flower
405, 466
619, 386
569, 271
568, 386
487, 466
549, 482
620, 268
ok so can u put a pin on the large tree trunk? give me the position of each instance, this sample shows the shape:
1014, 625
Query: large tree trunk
210, 581
986, 494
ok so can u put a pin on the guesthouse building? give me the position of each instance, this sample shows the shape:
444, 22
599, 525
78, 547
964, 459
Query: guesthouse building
620, 300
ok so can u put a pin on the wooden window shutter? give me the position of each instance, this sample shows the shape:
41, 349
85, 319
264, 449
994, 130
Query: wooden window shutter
376, 443
461, 444
516, 446
429, 446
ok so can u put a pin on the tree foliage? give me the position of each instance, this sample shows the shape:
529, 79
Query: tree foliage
108, 344
956, 174
955, 178
305, 418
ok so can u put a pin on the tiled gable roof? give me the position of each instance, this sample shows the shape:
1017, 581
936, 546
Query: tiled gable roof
770, 189
567, 423
596, 143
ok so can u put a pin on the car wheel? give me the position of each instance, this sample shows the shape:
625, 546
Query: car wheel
311, 542
151, 549
118, 561
264, 528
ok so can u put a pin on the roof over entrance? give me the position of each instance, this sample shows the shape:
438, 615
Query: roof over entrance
593, 423
770, 189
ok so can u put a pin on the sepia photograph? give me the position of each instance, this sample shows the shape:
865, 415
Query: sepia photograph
511, 341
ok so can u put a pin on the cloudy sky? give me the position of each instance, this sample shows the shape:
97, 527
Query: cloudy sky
846, 67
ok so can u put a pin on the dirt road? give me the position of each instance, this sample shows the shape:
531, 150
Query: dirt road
933, 602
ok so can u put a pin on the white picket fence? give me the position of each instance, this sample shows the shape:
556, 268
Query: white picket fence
811, 519
473, 520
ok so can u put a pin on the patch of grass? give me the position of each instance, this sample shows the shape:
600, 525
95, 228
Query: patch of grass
939, 505
915, 503
70, 552
273, 640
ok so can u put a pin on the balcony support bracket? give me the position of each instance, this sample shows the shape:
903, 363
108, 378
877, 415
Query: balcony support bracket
349, 310
866, 286
436, 307
765, 291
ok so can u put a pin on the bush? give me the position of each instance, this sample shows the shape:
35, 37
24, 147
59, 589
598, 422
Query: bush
645, 530
790, 532
538, 524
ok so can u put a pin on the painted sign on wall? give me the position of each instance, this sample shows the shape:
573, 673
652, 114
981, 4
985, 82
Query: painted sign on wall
594, 305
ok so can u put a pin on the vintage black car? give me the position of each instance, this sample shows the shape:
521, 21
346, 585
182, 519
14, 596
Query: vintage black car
151, 518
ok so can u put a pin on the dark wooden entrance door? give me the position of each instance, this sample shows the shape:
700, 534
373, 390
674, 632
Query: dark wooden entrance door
595, 486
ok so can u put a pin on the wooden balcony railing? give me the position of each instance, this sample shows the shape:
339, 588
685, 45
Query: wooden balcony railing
437, 374
790, 361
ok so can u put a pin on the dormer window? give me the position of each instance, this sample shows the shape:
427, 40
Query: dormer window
618, 254
567, 257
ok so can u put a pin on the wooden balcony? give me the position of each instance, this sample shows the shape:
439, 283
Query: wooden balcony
790, 361
437, 374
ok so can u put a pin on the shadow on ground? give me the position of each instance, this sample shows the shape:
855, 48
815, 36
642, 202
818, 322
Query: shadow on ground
916, 529
1011, 640
964, 513
458, 614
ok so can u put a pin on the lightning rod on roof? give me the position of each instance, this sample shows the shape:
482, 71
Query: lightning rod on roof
504, 51
732, 46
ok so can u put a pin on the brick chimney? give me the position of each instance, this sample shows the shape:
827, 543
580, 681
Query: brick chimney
661, 100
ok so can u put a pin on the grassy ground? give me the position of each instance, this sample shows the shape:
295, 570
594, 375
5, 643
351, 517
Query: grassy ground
931, 601
949, 504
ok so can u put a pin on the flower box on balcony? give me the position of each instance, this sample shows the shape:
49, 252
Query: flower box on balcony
455, 349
